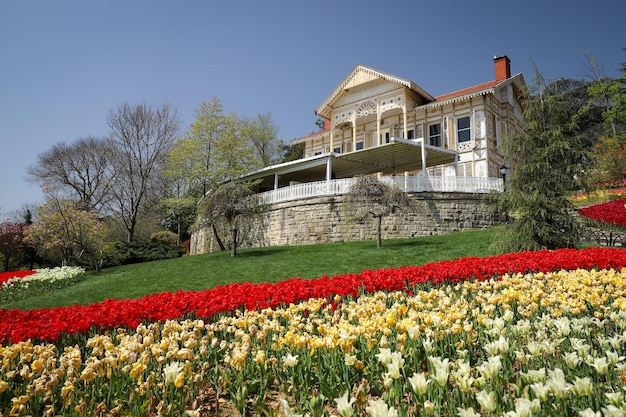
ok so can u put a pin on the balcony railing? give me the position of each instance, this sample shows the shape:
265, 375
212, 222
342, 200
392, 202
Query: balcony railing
408, 184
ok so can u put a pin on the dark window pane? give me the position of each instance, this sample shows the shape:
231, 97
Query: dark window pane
464, 135
463, 123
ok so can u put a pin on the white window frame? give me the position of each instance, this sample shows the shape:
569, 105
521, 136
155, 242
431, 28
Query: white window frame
467, 129
431, 136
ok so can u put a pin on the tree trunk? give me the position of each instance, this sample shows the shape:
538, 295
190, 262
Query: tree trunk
234, 244
379, 238
130, 233
217, 238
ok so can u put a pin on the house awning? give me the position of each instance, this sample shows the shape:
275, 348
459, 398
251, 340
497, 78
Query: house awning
393, 158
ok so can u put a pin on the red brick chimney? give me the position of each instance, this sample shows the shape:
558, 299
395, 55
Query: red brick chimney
502, 66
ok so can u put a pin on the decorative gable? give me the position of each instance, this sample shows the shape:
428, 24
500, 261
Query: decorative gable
363, 81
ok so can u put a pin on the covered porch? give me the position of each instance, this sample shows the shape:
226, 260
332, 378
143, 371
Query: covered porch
393, 158
400, 161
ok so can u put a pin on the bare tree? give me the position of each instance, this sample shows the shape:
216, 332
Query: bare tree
80, 170
369, 196
141, 136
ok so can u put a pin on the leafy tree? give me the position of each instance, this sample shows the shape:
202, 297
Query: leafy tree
64, 232
141, 136
81, 170
234, 203
609, 96
609, 155
549, 164
180, 215
369, 196
217, 148
263, 136
293, 152
214, 149
11, 241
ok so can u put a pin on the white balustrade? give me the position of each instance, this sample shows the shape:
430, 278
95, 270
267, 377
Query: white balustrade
414, 184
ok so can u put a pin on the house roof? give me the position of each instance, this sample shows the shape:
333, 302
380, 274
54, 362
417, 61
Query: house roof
311, 136
469, 90
476, 90
397, 156
361, 74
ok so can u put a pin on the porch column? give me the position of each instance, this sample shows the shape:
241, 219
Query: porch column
377, 140
354, 130
404, 116
329, 169
332, 138
423, 159
276, 181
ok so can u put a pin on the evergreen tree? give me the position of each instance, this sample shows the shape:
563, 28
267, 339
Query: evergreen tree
548, 159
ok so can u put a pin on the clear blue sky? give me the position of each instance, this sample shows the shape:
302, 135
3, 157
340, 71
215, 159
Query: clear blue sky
65, 64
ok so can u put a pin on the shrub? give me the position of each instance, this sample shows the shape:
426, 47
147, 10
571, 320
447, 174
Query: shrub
124, 253
165, 236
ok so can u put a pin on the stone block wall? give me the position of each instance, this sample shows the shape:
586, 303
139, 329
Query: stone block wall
324, 220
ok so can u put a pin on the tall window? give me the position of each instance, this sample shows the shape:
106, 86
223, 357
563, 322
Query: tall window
434, 134
463, 132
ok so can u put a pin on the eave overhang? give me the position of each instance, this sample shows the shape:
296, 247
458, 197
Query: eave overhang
475, 91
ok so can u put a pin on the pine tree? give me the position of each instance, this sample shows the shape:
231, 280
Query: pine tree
548, 163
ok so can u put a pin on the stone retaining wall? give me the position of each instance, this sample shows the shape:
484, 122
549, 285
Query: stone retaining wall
324, 220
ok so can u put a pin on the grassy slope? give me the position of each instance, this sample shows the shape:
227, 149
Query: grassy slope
268, 264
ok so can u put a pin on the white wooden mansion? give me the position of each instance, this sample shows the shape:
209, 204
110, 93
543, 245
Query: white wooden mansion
377, 123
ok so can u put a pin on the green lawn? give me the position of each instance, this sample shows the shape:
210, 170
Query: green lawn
269, 264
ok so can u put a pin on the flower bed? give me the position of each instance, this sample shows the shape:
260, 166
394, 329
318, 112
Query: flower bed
612, 212
33, 282
600, 195
49, 324
534, 333
6, 276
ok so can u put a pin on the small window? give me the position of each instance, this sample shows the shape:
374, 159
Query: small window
410, 134
463, 132
434, 134
318, 153
359, 145
337, 149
